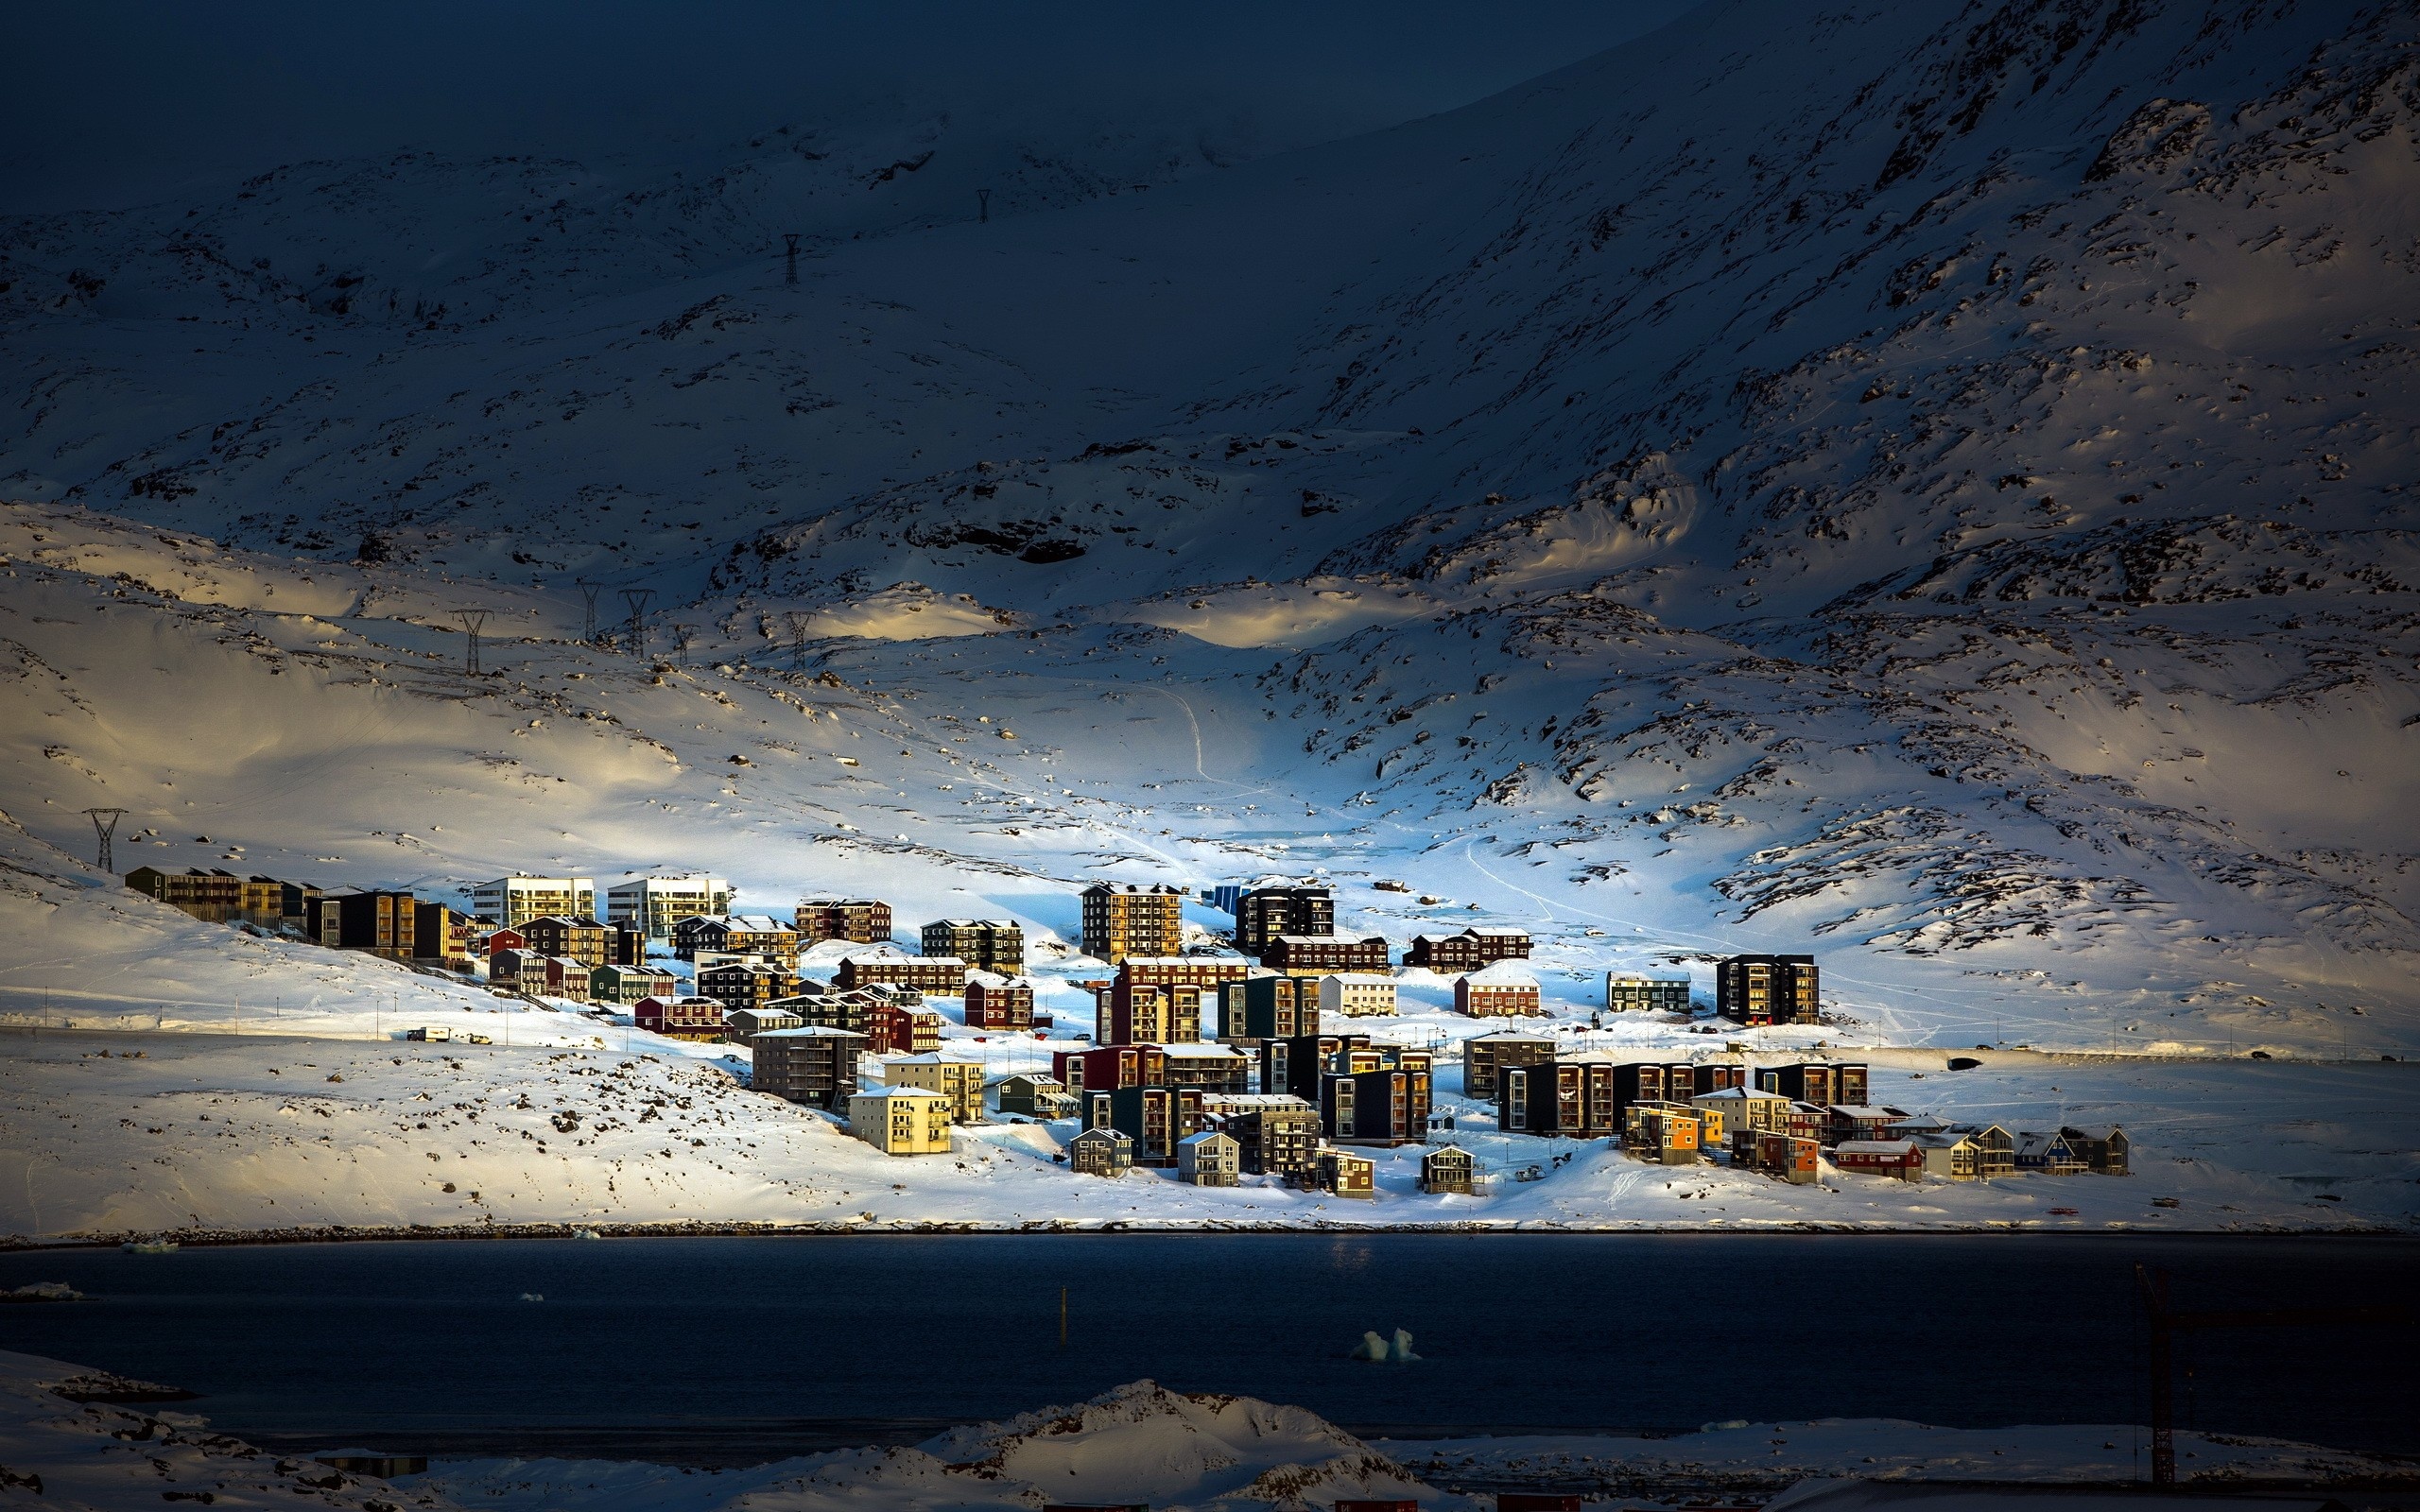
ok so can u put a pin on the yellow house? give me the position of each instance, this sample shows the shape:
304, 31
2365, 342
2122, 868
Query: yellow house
902, 1120
959, 1078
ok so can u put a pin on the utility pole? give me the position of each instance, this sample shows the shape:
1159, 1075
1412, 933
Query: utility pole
638, 599
105, 825
792, 237
474, 621
589, 590
2165, 1325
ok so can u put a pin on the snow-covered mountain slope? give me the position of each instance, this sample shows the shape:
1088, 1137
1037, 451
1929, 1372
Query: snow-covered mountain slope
1926, 483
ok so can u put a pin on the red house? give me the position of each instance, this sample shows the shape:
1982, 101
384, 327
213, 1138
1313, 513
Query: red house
1892, 1158
502, 939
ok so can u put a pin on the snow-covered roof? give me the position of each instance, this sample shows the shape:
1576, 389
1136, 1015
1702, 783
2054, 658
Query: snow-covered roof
759, 924
1500, 973
1868, 1111
1647, 976
1739, 1094
1331, 939
1204, 1137
1359, 979
893, 1092
1525, 1035
1118, 1134
933, 1057
807, 1031
1875, 1147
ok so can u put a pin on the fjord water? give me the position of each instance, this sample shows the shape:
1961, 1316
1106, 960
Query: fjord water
726, 1350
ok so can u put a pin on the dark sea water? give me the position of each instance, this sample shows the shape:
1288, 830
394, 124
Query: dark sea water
732, 1351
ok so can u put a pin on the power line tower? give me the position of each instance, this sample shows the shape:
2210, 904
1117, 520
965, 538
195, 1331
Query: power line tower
792, 237
638, 599
589, 590
798, 636
105, 825
684, 636
474, 621
983, 204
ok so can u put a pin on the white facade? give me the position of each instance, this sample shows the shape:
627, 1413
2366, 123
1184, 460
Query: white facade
1357, 995
656, 904
512, 901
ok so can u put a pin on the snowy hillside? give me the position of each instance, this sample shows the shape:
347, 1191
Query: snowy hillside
1926, 483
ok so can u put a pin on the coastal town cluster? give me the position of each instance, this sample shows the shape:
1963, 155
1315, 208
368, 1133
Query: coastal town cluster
1211, 1063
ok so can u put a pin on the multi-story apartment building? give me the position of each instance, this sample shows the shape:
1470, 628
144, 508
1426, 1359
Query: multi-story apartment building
383, 923
1821, 1082
1768, 990
442, 936
959, 1078
1293, 1065
1275, 1006
902, 1120
863, 921
1468, 951
581, 938
514, 901
1154, 1117
995, 945
1325, 954
1213, 1068
808, 1064
1357, 995
1486, 1056
223, 897
625, 986
1183, 971
1379, 1105
1126, 1012
1745, 1109
941, 975
671, 1014
743, 1025
893, 1028
1106, 1067
746, 984
1123, 919
1262, 914
1572, 1098
1634, 991
733, 934
1502, 990
996, 1001
1276, 1134
652, 906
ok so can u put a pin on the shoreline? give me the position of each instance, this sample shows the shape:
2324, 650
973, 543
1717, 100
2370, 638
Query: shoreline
235, 1239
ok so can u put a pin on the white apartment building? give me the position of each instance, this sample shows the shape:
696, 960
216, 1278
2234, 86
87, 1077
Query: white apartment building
656, 904
512, 901
1357, 995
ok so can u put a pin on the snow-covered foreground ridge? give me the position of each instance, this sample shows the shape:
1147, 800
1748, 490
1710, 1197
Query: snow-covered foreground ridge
1929, 485
65, 1440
